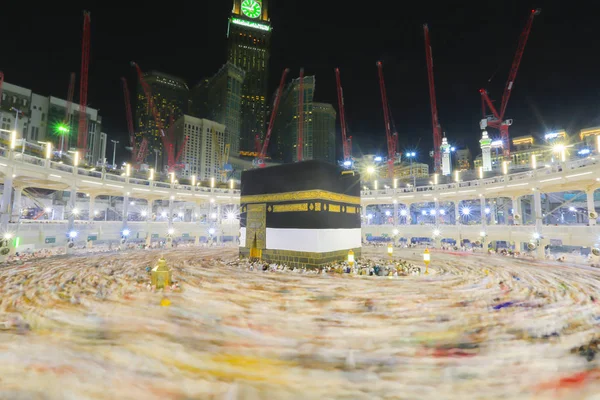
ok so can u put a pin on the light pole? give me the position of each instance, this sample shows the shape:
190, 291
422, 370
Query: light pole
115, 142
411, 156
157, 152
63, 131
17, 112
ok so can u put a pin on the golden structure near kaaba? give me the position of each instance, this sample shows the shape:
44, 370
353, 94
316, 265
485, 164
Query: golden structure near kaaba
304, 214
161, 275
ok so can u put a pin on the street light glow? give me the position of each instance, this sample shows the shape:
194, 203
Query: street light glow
370, 170
403, 213
436, 232
465, 211
211, 231
126, 232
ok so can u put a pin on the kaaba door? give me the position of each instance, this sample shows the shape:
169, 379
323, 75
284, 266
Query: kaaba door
256, 226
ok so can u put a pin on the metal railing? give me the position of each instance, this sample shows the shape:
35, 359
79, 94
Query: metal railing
502, 179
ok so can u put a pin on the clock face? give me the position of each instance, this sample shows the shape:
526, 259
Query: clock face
251, 8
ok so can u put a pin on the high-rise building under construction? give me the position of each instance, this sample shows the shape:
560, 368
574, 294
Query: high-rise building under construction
249, 37
170, 95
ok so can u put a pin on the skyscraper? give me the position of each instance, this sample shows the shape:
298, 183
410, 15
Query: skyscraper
170, 96
285, 130
249, 37
323, 135
219, 100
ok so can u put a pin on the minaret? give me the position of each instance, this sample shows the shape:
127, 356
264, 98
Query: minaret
486, 148
446, 165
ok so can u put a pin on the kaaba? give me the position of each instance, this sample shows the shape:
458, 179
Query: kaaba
305, 214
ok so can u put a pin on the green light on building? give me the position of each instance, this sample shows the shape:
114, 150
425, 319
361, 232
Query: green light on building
61, 129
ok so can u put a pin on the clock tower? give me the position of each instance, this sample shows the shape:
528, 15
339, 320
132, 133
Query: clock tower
249, 39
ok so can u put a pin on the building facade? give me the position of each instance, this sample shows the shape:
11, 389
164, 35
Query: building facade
249, 40
219, 99
44, 118
323, 146
285, 130
170, 95
463, 159
205, 148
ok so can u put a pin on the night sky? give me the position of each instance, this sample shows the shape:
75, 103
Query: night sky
558, 85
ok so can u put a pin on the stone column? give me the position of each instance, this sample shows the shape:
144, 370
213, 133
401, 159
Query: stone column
170, 222
5, 206
456, 212
71, 214
149, 208
15, 209
91, 208
516, 205
125, 209
591, 207
539, 221
483, 214
395, 213
218, 225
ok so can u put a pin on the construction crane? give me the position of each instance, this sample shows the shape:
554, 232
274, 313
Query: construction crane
138, 154
222, 157
167, 141
497, 120
260, 160
346, 142
300, 144
435, 122
392, 140
83, 84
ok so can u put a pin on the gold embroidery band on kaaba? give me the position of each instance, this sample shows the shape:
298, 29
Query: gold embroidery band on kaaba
303, 195
290, 207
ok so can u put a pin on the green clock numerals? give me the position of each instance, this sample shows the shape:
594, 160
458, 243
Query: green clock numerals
251, 8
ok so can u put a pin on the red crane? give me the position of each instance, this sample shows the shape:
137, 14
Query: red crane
392, 140
138, 154
346, 142
257, 144
83, 84
435, 122
260, 160
167, 141
300, 144
497, 120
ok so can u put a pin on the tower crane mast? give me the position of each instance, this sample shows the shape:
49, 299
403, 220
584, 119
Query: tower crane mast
83, 84
260, 161
392, 140
497, 120
300, 144
138, 153
435, 122
346, 142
